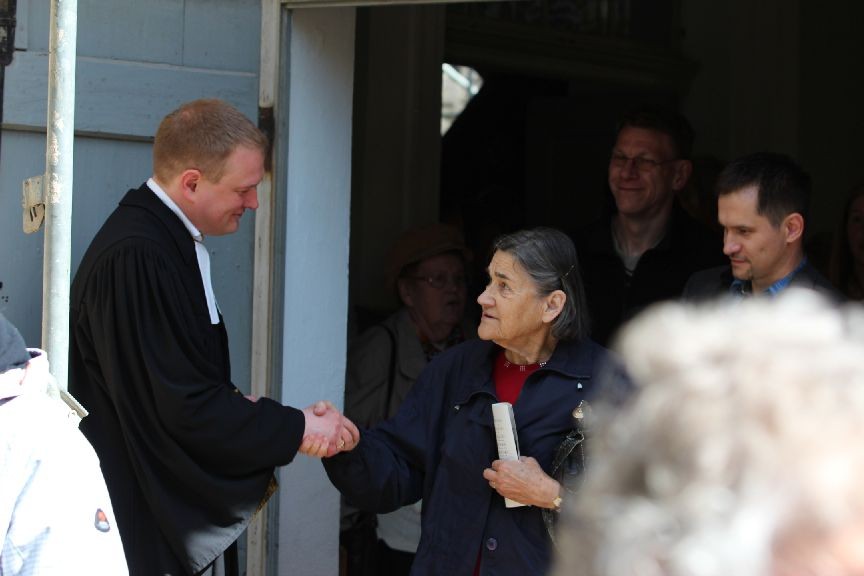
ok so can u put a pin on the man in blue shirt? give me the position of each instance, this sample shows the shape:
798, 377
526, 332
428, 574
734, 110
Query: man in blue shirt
762, 203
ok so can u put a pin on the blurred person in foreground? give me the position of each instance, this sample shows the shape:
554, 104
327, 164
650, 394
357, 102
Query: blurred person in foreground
55, 512
739, 453
426, 267
847, 255
533, 352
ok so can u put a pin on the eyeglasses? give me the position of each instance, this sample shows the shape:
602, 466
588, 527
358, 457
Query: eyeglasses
441, 281
641, 164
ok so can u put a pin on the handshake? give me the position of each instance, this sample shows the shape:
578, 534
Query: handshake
327, 431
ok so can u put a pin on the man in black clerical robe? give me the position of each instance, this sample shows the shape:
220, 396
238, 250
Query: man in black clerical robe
186, 457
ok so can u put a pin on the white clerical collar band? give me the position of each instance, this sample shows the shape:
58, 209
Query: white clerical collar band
201, 253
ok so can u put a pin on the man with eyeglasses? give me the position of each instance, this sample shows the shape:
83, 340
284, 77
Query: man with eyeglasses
426, 268
644, 250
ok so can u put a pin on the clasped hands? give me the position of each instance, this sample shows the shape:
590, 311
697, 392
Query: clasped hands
327, 431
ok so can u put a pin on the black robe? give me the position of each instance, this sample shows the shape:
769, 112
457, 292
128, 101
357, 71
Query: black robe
187, 459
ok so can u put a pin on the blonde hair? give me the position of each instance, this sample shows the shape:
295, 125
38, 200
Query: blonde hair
201, 134
742, 437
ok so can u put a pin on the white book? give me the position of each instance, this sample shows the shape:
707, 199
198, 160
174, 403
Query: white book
505, 435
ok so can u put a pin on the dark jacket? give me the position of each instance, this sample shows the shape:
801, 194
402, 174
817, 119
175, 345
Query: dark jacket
613, 296
187, 459
442, 438
717, 282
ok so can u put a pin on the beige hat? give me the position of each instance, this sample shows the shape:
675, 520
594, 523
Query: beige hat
423, 242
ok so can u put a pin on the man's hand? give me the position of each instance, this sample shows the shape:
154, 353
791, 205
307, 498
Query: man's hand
523, 481
327, 431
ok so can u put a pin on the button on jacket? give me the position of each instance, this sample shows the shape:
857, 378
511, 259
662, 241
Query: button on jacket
442, 438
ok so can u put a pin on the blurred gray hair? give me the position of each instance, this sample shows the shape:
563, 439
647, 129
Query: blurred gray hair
742, 442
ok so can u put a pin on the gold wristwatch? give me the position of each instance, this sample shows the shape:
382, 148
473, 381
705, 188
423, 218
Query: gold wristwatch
556, 503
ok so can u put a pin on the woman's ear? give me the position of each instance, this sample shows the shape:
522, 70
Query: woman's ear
403, 286
554, 305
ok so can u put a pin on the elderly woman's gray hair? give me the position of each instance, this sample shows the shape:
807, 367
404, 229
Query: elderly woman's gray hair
740, 452
549, 258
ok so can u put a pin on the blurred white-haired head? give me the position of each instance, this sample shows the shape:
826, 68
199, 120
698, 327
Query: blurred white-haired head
740, 452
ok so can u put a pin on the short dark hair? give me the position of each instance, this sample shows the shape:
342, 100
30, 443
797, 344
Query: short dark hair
783, 187
671, 123
549, 257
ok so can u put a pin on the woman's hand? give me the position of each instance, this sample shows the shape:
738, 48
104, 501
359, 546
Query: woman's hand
523, 481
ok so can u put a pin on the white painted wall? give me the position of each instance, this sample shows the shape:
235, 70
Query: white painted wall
317, 147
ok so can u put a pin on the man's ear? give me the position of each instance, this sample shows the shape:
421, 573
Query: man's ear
553, 305
683, 170
793, 227
189, 180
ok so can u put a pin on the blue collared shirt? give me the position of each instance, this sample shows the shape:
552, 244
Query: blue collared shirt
743, 288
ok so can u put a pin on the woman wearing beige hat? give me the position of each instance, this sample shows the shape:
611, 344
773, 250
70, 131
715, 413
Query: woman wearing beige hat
426, 268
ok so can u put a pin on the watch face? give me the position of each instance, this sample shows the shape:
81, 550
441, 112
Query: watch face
557, 502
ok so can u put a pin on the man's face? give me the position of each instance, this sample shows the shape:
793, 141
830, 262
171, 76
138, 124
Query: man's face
757, 250
645, 187
218, 206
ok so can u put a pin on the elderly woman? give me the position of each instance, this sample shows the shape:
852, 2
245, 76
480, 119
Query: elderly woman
440, 446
